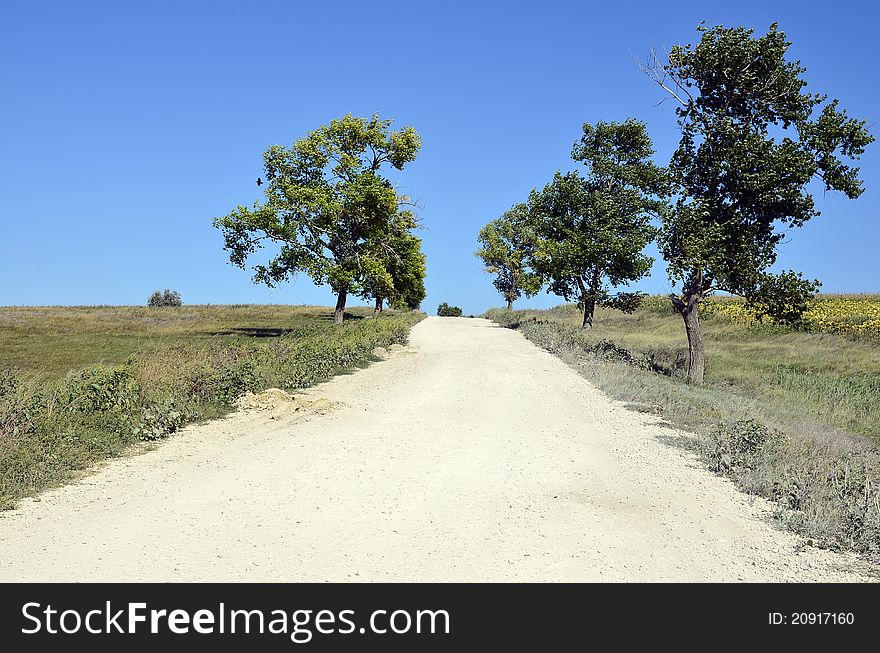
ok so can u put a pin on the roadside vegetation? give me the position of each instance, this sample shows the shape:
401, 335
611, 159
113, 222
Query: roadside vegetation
82, 384
790, 414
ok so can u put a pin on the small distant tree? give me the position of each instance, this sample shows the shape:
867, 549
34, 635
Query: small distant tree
590, 232
165, 298
328, 207
751, 141
445, 310
505, 246
400, 276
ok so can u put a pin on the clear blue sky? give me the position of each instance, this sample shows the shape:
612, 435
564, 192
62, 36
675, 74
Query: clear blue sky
126, 127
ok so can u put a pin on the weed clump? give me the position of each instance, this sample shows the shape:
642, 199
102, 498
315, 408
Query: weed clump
736, 447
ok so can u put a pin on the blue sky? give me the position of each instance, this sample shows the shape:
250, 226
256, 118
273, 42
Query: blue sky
126, 127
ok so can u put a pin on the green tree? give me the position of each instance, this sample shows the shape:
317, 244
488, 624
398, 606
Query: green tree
590, 232
165, 298
327, 208
408, 269
752, 140
400, 278
505, 245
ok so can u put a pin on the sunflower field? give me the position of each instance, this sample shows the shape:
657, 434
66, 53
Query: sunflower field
857, 315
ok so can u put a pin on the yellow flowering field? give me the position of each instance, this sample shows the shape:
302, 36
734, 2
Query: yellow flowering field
850, 314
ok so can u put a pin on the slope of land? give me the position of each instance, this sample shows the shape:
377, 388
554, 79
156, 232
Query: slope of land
470, 455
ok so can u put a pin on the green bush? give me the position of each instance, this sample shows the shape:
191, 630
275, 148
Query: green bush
736, 447
17, 409
98, 390
165, 298
445, 310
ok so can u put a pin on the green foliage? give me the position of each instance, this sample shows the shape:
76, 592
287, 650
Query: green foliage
784, 297
329, 210
505, 245
751, 142
400, 275
97, 390
626, 302
158, 421
445, 310
590, 232
734, 447
165, 298
17, 409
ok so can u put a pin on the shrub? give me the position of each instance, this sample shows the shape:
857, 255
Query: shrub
732, 448
17, 408
445, 310
98, 390
165, 298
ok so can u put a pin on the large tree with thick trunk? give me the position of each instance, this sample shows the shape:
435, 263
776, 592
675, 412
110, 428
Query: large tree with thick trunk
329, 210
751, 141
590, 232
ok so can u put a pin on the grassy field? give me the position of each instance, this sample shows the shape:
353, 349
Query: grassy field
790, 414
797, 375
81, 384
48, 342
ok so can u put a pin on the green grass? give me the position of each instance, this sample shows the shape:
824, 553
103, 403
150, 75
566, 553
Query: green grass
79, 385
47, 342
820, 391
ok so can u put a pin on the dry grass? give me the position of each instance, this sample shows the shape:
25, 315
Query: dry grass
795, 375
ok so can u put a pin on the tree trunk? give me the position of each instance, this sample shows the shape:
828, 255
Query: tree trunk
340, 306
378, 308
590, 301
589, 310
509, 304
689, 309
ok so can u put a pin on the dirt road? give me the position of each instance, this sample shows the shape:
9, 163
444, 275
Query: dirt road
470, 456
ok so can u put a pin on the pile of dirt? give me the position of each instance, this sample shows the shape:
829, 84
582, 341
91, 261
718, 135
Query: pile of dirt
278, 401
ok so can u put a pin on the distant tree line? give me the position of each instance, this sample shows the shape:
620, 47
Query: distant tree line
751, 141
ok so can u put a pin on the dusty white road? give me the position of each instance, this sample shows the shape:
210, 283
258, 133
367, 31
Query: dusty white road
470, 456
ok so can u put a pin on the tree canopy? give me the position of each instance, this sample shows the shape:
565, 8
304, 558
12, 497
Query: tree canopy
400, 279
752, 140
505, 245
590, 232
329, 209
